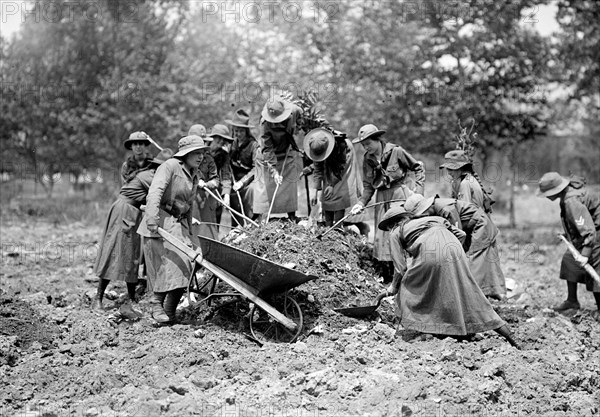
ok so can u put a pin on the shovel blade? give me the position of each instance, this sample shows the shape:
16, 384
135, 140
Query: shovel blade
357, 312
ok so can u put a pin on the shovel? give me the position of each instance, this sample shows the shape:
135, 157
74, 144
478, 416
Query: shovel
362, 311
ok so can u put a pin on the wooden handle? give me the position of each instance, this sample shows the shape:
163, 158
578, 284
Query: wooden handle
588, 268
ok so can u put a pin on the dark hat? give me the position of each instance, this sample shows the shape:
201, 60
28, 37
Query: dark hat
318, 144
162, 156
552, 183
240, 119
416, 204
220, 130
392, 216
277, 110
189, 144
368, 131
198, 130
455, 160
136, 137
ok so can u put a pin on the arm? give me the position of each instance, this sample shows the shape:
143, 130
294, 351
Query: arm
460, 235
160, 182
227, 176
407, 160
368, 189
267, 147
398, 257
318, 175
212, 180
578, 216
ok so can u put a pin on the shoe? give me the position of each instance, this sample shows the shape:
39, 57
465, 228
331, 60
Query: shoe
566, 305
595, 315
97, 305
159, 315
128, 313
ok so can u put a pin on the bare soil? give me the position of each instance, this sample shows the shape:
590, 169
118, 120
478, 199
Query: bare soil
58, 358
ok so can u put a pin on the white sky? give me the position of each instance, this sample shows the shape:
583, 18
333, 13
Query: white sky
11, 15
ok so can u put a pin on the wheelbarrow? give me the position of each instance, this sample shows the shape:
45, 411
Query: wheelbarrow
253, 278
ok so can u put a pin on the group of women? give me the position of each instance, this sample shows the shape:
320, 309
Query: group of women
452, 241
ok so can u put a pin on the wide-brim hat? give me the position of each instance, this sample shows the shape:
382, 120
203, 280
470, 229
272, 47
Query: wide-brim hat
416, 204
189, 144
318, 144
455, 159
221, 131
136, 137
392, 216
366, 132
198, 130
276, 110
552, 183
162, 156
240, 119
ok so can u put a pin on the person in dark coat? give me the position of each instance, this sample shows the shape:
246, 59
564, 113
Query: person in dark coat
169, 205
220, 142
119, 249
580, 216
480, 243
139, 159
391, 173
243, 156
277, 161
437, 294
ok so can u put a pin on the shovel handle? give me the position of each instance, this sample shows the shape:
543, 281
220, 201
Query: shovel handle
213, 195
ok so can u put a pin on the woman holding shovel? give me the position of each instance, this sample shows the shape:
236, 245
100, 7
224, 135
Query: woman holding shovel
437, 294
333, 176
480, 242
386, 169
169, 205
580, 215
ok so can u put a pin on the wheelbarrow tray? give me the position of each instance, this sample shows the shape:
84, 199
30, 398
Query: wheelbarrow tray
265, 276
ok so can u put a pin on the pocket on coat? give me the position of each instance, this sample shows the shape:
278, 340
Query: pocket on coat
128, 225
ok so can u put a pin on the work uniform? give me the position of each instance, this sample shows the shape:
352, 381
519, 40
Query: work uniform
169, 205
243, 170
467, 188
131, 167
437, 294
119, 249
205, 209
392, 181
341, 178
278, 150
482, 250
580, 215
223, 164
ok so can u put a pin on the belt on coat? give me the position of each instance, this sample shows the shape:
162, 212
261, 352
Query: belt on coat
131, 201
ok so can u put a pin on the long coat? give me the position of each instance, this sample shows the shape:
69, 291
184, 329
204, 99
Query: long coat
119, 250
391, 180
169, 205
484, 258
580, 215
438, 294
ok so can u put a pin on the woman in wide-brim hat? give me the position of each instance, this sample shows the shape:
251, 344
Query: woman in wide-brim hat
481, 240
580, 215
119, 249
169, 205
334, 174
277, 162
389, 173
437, 294
137, 143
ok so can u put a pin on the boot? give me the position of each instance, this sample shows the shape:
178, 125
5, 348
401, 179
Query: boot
505, 332
171, 302
158, 313
126, 310
97, 305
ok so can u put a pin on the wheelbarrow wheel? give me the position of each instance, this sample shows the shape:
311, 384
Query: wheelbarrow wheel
265, 328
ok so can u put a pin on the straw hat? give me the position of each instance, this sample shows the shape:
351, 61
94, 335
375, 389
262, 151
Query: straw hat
240, 119
318, 144
221, 131
392, 216
162, 156
189, 144
455, 160
552, 183
198, 130
416, 204
136, 137
366, 132
276, 110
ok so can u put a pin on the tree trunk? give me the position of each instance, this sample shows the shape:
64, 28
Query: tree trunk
513, 183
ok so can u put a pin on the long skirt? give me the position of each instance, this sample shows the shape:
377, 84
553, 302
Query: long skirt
381, 249
286, 199
247, 197
572, 272
167, 268
119, 252
485, 267
438, 293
